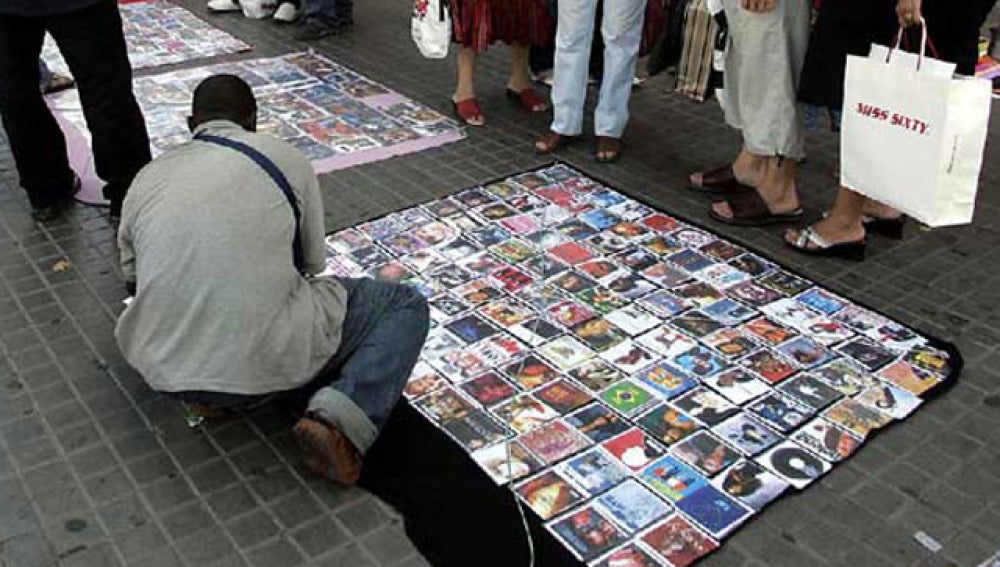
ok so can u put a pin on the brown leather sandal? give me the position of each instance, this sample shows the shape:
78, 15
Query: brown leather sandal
608, 149
552, 141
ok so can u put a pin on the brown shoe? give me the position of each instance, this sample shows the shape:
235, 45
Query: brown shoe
326, 452
608, 149
552, 141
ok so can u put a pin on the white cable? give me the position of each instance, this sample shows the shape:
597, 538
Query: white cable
520, 507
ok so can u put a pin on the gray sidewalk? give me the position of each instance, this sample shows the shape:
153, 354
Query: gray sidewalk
95, 469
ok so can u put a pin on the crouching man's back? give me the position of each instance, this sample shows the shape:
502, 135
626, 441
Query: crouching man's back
220, 236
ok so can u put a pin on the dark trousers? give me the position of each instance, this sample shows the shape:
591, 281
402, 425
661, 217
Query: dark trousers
93, 45
453, 512
329, 12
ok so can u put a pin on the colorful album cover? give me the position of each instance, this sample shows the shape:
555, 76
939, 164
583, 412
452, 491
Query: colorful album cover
632, 506
488, 389
634, 449
781, 411
673, 479
593, 471
730, 343
631, 286
769, 365
628, 397
822, 301
666, 381
794, 464
713, 510
554, 441
506, 462
751, 484
858, 418
476, 430
667, 424
908, 377
563, 396
696, 324
705, 452
549, 494
633, 320
629, 555
524, 413
679, 542
598, 422
748, 435
845, 376
737, 385
444, 405
700, 362
667, 342
785, 283
530, 373
769, 331
599, 334
706, 406
587, 532
565, 352
664, 304
423, 380
810, 391
805, 352
628, 357
827, 440
752, 293
535, 332
868, 353
596, 375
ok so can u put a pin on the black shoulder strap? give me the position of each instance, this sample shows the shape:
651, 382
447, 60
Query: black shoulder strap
276, 175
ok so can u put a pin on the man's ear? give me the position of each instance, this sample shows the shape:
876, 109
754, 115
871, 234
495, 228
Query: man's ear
191, 124
252, 122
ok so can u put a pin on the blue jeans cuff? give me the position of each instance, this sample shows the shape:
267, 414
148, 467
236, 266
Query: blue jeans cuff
336, 408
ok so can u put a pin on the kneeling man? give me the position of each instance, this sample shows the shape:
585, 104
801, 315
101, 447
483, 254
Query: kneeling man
220, 238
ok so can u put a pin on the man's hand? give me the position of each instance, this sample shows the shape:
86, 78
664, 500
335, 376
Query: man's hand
759, 6
909, 12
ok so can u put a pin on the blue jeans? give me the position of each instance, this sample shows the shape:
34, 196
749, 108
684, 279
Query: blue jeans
383, 332
330, 13
621, 29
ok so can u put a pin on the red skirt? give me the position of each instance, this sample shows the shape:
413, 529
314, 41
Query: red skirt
480, 23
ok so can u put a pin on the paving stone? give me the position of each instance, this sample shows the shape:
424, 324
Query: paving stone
253, 528
388, 545
139, 542
362, 517
278, 553
187, 520
320, 536
231, 502
349, 556
205, 546
296, 510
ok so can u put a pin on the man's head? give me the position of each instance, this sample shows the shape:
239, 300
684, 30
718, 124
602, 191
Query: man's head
224, 97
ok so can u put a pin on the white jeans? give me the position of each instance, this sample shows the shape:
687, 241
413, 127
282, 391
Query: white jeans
622, 32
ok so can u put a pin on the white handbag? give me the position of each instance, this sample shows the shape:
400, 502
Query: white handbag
431, 28
913, 135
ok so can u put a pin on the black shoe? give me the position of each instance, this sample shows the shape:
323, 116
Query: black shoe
54, 210
312, 31
890, 228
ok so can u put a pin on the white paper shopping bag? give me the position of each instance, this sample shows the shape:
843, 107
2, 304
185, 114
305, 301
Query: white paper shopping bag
912, 138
